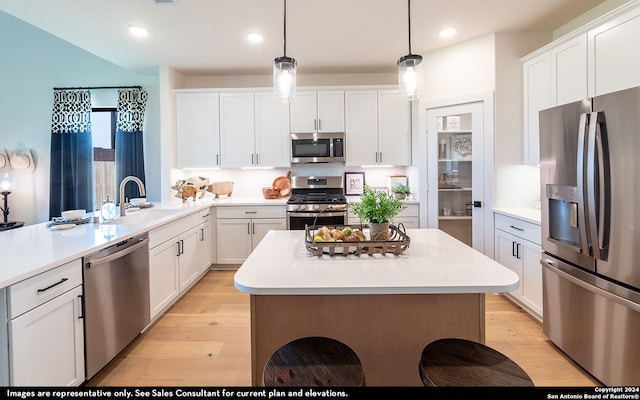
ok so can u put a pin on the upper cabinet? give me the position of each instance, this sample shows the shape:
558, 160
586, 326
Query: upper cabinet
378, 128
198, 130
599, 58
614, 54
254, 130
537, 96
318, 111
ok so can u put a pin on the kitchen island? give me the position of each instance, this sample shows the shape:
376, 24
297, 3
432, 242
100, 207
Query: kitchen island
387, 308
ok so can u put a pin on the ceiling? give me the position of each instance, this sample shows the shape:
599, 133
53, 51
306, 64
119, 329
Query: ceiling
200, 37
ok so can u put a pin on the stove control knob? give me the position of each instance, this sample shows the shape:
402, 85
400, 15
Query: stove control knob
294, 208
316, 207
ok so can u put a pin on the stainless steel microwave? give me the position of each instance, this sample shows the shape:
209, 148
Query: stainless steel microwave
324, 147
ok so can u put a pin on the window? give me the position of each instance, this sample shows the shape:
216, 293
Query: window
104, 153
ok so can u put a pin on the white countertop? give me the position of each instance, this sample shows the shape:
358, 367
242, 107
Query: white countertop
33, 249
532, 215
434, 263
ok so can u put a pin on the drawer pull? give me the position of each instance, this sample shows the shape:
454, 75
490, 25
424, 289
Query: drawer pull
516, 228
250, 212
63, 280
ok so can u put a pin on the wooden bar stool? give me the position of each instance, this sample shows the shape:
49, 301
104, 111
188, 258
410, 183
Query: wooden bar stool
313, 361
459, 362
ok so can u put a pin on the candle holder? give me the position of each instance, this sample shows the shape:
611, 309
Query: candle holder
6, 225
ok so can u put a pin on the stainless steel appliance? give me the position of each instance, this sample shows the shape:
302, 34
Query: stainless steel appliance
316, 198
317, 147
590, 186
116, 285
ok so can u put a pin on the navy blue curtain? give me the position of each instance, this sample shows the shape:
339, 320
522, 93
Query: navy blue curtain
71, 177
129, 140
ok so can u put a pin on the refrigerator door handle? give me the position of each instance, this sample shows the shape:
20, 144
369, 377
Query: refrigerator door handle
598, 157
585, 244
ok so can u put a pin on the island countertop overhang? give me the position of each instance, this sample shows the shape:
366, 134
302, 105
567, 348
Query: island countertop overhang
435, 263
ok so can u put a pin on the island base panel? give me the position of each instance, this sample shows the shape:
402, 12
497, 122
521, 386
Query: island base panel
387, 332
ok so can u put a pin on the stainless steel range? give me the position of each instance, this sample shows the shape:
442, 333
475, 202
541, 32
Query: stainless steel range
316, 198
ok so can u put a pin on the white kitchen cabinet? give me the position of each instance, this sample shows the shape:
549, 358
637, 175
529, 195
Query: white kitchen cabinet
46, 329
175, 261
205, 240
240, 230
272, 140
537, 96
409, 217
518, 248
318, 111
569, 71
254, 130
378, 128
614, 54
237, 130
197, 130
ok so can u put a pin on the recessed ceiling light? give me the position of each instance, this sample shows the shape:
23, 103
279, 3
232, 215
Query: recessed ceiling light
447, 32
255, 37
138, 31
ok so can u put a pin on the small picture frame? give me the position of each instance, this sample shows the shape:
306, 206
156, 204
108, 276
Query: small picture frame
461, 149
353, 183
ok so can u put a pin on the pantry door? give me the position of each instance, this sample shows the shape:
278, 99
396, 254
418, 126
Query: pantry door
455, 163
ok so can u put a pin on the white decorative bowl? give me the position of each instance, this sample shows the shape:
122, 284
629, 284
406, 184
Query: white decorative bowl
138, 201
72, 215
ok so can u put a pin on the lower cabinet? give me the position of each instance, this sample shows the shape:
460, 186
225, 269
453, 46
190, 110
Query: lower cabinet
176, 262
46, 329
240, 230
518, 248
409, 217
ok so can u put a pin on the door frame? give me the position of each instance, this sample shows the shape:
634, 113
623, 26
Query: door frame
428, 172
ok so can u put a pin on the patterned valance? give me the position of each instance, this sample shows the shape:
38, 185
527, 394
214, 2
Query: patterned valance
71, 112
131, 106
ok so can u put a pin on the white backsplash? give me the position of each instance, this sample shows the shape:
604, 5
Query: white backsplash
249, 182
517, 186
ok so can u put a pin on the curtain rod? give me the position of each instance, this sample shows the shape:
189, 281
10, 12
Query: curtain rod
96, 87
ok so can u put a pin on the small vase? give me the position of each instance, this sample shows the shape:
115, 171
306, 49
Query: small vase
379, 231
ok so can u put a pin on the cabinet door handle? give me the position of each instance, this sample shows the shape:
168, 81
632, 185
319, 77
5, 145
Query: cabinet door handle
81, 306
319, 123
315, 124
248, 228
376, 157
253, 228
257, 159
181, 246
380, 157
516, 228
178, 248
217, 159
63, 280
202, 234
518, 255
513, 249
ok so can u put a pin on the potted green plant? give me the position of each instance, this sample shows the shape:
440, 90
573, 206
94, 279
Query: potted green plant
400, 191
377, 208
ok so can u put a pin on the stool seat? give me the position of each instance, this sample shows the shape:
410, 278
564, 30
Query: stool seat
313, 361
459, 362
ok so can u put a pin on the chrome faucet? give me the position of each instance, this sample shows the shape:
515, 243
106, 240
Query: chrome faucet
123, 204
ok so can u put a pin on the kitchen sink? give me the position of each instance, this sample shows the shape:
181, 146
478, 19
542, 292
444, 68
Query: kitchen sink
142, 217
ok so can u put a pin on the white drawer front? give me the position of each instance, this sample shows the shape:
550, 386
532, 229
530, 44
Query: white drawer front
410, 210
252, 212
168, 231
523, 229
30, 293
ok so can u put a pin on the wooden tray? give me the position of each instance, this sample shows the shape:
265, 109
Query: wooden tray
397, 243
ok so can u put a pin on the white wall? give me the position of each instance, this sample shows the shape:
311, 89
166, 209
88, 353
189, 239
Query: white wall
33, 62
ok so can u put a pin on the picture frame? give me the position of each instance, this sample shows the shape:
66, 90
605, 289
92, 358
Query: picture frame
353, 183
461, 148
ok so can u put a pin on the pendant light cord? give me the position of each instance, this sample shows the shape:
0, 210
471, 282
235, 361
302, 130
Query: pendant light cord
285, 28
409, 19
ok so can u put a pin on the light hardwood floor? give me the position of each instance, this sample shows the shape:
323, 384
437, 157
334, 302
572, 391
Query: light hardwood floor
204, 340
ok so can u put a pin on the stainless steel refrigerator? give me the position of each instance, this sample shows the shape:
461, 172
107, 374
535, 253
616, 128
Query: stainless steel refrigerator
590, 191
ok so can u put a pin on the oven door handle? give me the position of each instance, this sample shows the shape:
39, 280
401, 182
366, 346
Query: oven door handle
314, 214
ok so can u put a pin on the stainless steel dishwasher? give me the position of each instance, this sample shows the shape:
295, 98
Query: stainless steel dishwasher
116, 287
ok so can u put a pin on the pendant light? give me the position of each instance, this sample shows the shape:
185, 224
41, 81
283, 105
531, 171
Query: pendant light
407, 72
284, 71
